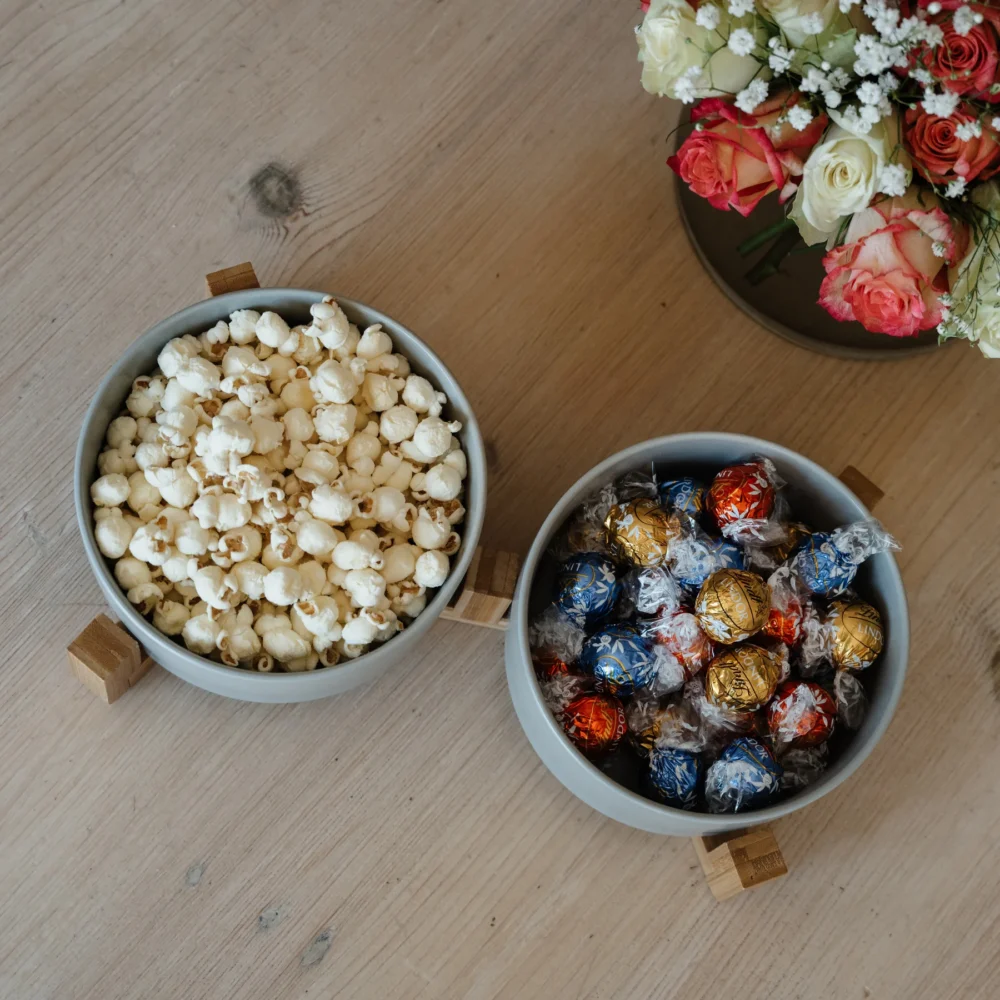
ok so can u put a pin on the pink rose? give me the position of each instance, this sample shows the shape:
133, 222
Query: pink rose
886, 276
735, 159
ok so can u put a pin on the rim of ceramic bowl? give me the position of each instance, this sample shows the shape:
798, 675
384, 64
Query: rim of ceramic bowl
302, 685
857, 751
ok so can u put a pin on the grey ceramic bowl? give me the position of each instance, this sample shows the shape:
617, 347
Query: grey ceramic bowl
139, 359
821, 500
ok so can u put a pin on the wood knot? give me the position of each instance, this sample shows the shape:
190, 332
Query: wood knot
276, 191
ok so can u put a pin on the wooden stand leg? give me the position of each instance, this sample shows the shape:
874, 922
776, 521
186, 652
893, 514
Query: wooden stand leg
487, 590
733, 862
859, 484
106, 659
231, 279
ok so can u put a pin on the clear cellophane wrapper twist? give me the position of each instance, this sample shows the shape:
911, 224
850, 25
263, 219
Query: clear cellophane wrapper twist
802, 766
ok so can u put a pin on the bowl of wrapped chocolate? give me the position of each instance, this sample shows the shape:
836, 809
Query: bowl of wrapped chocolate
709, 630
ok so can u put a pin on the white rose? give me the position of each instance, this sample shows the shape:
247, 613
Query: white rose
975, 283
796, 17
671, 43
841, 176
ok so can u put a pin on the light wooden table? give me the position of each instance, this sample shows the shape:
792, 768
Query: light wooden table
493, 175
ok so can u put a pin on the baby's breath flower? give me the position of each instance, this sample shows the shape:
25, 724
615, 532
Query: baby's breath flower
751, 95
965, 19
939, 249
780, 57
812, 24
870, 93
891, 180
942, 104
968, 130
740, 7
955, 189
708, 16
799, 117
741, 42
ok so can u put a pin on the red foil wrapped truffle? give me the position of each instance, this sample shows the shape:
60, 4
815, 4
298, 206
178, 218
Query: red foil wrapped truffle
595, 722
802, 714
741, 493
548, 665
785, 624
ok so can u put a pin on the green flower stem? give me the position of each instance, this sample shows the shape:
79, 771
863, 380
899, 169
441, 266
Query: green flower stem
768, 264
756, 241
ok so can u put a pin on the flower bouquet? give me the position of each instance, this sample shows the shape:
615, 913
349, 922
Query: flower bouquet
878, 126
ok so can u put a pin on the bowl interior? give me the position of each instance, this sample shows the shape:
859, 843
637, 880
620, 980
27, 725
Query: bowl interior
817, 498
293, 304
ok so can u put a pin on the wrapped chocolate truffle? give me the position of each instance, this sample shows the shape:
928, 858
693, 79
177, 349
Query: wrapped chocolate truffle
827, 561
587, 586
741, 499
852, 702
746, 776
640, 531
619, 659
674, 776
743, 678
732, 604
801, 714
679, 633
694, 557
594, 722
685, 495
853, 634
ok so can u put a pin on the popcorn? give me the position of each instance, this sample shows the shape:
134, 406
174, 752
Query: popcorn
335, 423
282, 586
398, 423
421, 397
131, 572
109, 491
431, 569
169, 617
112, 532
250, 576
367, 586
176, 487
275, 497
333, 383
200, 634
214, 586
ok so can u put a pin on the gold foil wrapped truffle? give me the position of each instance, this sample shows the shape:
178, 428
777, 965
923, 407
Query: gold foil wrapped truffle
641, 531
733, 604
855, 634
744, 678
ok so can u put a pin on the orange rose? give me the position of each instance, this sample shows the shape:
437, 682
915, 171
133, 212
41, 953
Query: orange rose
735, 159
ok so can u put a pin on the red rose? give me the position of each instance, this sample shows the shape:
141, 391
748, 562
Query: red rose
941, 156
735, 159
964, 64
887, 276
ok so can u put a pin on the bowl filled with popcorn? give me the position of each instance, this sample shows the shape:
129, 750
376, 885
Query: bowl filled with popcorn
279, 492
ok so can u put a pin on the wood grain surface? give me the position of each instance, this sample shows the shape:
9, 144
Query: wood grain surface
493, 176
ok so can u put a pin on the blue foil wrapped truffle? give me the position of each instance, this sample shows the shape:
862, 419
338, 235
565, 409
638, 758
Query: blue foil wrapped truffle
674, 776
587, 586
822, 567
827, 562
746, 776
620, 659
686, 495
